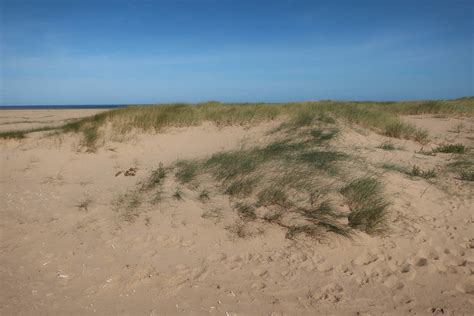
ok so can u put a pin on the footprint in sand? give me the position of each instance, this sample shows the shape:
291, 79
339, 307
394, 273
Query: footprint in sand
258, 285
362, 280
365, 259
469, 244
344, 270
331, 292
420, 262
384, 272
466, 287
402, 299
259, 272
297, 258
235, 258
405, 267
216, 257
324, 267
393, 282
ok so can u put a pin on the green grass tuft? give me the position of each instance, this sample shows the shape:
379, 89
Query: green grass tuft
466, 175
395, 167
246, 211
13, 134
156, 178
127, 204
240, 187
367, 204
278, 149
403, 130
90, 137
228, 165
386, 146
178, 194
204, 196
187, 171
272, 196
450, 148
321, 159
425, 174
22, 134
319, 136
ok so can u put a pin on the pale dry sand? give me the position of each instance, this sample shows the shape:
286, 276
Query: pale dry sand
179, 258
14, 120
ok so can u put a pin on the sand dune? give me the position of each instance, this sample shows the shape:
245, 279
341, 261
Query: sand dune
23, 120
65, 249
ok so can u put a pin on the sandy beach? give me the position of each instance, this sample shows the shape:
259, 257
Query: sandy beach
65, 247
22, 120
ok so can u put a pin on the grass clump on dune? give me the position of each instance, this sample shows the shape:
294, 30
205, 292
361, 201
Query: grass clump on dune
415, 171
457, 107
466, 175
128, 203
228, 165
386, 146
272, 196
178, 194
404, 130
323, 217
246, 211
368, 207
450, 148
156, 178
23, 133
463, 166
13, 134
240, 187
186, 171
379, 116
321, 159
289, 183
204, 196
425, 174
155, 118
263, 177
395, 167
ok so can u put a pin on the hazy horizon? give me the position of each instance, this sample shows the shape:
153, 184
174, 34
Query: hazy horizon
113, 105
116, 52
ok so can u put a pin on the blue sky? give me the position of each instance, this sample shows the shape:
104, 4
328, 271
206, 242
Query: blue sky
112, 51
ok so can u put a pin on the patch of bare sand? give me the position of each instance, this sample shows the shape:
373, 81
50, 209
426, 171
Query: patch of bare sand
445, 129
16, 120
58, 257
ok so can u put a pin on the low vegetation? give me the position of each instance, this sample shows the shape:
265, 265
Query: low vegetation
186, 171
415, 170
386, 146
382, 117
299, 181
396, 167
204, 196
290, 184
178, 194
463, 166
128, 203
425, 174
450, 148
367, 204
84, 204
466, 175
23, 133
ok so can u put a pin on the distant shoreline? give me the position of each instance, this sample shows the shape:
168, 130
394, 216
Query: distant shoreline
60, 107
